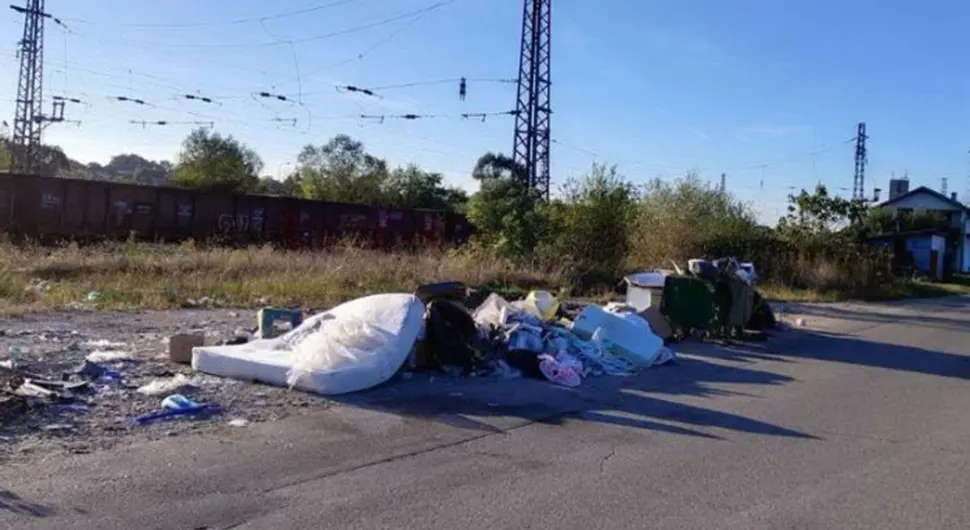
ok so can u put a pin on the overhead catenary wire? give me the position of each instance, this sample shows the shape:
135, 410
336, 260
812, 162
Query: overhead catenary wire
313, 38
145, 123
233, 22
285, 99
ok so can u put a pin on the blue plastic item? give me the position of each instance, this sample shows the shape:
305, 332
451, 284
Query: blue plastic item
190, 411
176, 405
178, 402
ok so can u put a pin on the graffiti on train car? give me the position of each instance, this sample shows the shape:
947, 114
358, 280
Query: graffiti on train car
35, 205
385, 217
251, 222
352, 221
49, 200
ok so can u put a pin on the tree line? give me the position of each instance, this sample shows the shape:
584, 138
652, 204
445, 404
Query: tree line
340, 170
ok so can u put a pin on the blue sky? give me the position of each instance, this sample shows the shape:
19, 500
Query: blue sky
768, 91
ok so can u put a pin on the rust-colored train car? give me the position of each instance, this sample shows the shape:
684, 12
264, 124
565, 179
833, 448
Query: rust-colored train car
57, 208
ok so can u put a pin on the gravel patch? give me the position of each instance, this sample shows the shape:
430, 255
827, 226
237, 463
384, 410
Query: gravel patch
135, 345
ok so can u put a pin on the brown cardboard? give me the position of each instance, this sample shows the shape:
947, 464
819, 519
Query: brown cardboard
658, 322
180, 346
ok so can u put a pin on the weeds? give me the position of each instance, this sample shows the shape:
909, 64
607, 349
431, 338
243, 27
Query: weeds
130, 275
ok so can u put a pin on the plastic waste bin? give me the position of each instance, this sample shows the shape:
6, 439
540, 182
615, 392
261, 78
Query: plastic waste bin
688, 303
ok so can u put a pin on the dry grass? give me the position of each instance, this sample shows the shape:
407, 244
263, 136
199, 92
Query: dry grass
126, 276
154, 276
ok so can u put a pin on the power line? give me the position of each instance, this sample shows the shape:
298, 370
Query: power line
314, 38
145, 124
235, 22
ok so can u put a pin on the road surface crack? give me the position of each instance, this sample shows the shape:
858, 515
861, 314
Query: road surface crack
607, 458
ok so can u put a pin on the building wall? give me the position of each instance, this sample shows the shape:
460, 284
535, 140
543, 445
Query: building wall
965, 266
921, 247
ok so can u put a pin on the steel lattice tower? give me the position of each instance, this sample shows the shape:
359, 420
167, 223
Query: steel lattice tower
28, 121
861, 159
533, 109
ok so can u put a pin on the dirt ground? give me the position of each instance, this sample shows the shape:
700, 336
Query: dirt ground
54, 344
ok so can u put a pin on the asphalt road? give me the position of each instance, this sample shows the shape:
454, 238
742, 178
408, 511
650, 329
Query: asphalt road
859, 422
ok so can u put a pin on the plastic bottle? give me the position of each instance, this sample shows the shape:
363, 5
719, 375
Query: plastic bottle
16, 352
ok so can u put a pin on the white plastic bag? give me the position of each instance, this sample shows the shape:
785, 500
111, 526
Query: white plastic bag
339, 344
493, 313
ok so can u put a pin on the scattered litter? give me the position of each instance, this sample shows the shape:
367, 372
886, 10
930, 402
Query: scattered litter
94, 296
108, 356
16, 351
58, 427
105, 344
160, 386
274, 321
238, 422
563, 369
176, 405
180, 346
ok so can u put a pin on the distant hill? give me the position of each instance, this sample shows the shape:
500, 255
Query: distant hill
122, 168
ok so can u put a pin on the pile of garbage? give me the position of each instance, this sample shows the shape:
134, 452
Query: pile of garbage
440, 328
365, 342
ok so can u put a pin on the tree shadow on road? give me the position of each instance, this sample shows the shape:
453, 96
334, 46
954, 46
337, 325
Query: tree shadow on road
13, 503
479, 404
847, 349
871, 314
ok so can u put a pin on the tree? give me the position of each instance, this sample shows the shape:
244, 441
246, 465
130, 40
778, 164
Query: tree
6, 160
342, 171
137, 170
410, 187
821, 213
596, 221
686, 219
288, 187
505, 210
51, 160
216, 163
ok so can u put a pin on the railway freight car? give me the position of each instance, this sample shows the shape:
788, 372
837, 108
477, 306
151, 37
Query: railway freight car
48, 208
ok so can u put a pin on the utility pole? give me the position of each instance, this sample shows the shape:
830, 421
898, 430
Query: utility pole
861, 159
533, 102
943, 186
26, 122
29, 119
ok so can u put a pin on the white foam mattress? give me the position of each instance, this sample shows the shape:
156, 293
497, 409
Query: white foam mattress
398, 317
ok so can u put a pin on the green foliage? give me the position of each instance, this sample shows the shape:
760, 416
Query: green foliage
51, 160
506, 211
288, 187
594, 222
819, 212
6, 161
687, 219
342, 171
410, 187
212, 162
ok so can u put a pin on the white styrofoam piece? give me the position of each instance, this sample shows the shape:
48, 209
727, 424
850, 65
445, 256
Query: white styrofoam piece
396, 317
653, 279
630, 339
641, 286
